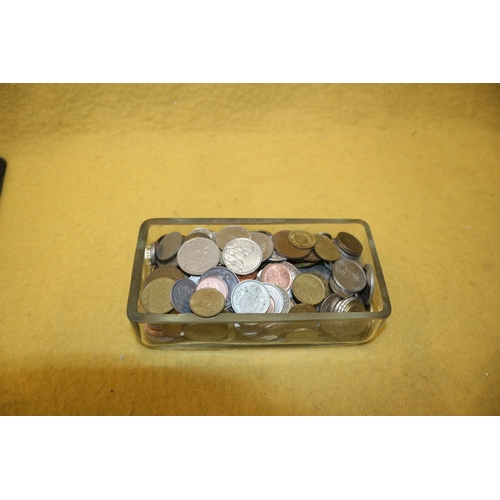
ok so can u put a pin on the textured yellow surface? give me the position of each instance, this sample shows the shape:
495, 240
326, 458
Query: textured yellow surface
88, 163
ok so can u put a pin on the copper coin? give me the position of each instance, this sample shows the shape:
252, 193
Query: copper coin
283, 246
277, 274
213, 282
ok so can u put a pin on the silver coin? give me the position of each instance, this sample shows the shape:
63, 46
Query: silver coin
265, 243
195, 279
181, 293
351, 304
276, 296
226, 275
287, 303
276, 257
349, 275
242, 256
203, 230
330, 302
344, 294
250, 296
366, 295
198, 255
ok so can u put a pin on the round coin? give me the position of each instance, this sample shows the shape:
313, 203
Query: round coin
283, 246
277, 274
226, 275
203, 333
349, 244
229, 233
301, 239
207, 302
168, 246
302, 335
181, 293
308, 289
156, 296
349, 275
265, 243
164, 272
242, 256
366, 295
250, 296
213, 282
198, 255
326, 249
276, 297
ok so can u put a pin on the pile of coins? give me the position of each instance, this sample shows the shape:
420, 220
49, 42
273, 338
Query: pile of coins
240, 271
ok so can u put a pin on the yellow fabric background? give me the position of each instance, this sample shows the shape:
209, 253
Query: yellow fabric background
88, 163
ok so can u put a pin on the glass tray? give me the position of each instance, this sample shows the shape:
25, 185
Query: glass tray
233, 330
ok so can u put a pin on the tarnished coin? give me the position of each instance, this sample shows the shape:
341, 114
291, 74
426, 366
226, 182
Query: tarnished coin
229, 233
276, 297
366, 295
226, 275
207, 302
283, 246
293, 269
198, 255
181, 293
287, 303
326, 249
302, 335
155, 296
352, 304
301, 239
305, 309
250, 297
154, 330
265, 243
251, 276
277, 274
213, 282
205, 332
242, 255
349, 244
168, 246
349, 275
308, 289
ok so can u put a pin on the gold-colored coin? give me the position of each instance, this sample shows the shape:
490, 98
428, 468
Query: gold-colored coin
304, 309
156, 296
207, 302
308, 289
326, 249
325, 284
301, 239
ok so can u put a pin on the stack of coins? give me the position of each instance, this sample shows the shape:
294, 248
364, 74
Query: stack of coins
235, 270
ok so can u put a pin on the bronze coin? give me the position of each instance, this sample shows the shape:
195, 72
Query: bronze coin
164, 272
207, 302
284, 248
156, 296
326, 249
308, 289
204, 333
349, 244
301, 239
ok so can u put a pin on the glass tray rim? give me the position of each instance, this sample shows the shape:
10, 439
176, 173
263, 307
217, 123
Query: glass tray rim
136, 316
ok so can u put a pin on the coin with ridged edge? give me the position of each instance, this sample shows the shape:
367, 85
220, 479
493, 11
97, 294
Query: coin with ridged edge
242, 256
301, 239
349, 275
326, 249
308, 289
198, 255
349, 244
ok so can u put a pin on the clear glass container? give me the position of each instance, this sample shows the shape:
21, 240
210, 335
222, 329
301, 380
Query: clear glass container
233, 330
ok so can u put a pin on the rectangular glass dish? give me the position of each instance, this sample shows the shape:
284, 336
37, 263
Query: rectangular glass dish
236, 330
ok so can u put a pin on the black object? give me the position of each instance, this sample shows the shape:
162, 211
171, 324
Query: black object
3, 168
